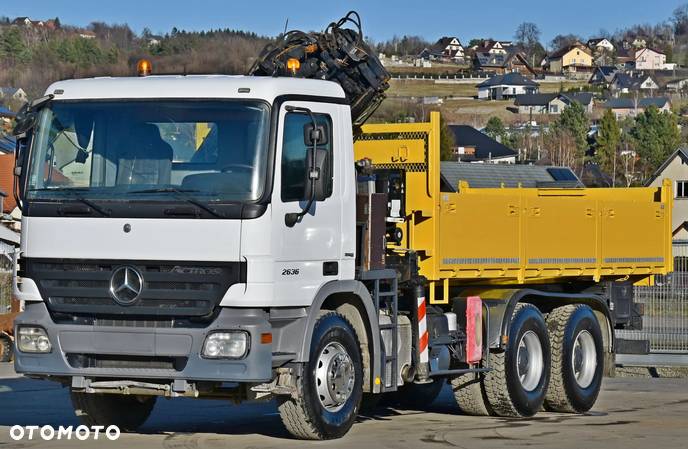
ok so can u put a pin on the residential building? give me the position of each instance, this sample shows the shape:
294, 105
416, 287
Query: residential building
600, 44
448, 48
603, 75
471, 145
675, 168
571, 59
639, 42
624, 83
493, 47
552, 103
492, 176
625, 56
87, 34
649, 59
502, 87
13, 93
630, 107
677, 85
502, 63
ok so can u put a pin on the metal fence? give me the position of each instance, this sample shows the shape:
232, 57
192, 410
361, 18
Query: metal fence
665, 322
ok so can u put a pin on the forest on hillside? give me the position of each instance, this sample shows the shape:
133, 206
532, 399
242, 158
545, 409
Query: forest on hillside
31, 57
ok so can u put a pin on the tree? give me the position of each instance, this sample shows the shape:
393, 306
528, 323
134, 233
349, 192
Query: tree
573, 120
656, 135
607, 143
563, 40
495, 128
527, 37
680, 19
446, 141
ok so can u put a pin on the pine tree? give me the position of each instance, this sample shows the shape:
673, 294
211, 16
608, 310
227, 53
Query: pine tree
607, 141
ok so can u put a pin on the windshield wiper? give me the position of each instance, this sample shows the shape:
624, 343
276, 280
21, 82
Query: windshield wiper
101, 210
182, 194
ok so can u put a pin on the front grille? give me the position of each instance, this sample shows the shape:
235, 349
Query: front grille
170, 289
126, 362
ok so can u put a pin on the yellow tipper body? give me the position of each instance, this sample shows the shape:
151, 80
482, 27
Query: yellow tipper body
503, 236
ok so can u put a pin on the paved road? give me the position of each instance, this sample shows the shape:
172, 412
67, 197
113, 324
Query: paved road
631, 413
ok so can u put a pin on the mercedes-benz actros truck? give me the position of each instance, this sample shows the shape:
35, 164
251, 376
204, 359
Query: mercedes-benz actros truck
234, 237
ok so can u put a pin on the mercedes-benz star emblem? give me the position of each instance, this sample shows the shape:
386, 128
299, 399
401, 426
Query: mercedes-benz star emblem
126, 285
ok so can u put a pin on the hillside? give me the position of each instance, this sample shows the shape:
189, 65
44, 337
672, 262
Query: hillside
33, 56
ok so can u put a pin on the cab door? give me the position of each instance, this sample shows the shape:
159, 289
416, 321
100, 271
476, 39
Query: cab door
307, 254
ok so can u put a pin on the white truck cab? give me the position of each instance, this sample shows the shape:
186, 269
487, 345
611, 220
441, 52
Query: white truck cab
170, 241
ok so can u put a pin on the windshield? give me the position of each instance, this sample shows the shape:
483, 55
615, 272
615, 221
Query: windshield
213, 151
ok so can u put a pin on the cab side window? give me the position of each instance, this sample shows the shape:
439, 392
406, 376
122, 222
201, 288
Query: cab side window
294, 152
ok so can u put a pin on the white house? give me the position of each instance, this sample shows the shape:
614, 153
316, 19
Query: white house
449, 48
600, 44
503, 87
13, 93
676, 169
649, 59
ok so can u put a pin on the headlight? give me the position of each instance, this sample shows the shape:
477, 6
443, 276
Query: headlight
33, 339
226, 345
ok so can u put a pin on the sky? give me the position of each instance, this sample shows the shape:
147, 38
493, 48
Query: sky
381, 19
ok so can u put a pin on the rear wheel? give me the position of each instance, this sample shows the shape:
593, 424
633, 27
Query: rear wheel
517, 384
577, 359
469, 394
5, 348
330, 386
126, 412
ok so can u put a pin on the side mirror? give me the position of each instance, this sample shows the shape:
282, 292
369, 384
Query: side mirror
313, 135
318, 175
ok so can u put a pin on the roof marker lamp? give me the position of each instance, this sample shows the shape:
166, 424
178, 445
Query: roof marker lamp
144, 67
293, 65
226, 345
33, 340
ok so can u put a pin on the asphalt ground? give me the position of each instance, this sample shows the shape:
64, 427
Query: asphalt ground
630, 413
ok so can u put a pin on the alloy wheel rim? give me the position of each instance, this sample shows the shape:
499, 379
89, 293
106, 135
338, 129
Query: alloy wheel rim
584, 359
334, 377
529, 360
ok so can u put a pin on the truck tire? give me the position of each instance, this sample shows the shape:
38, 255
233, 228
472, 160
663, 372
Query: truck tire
517, 384
470, 395
329, 388
126, 412
6, 349
417, 396
577, 359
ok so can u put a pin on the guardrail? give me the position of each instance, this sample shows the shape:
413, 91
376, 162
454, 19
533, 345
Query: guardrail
665, 322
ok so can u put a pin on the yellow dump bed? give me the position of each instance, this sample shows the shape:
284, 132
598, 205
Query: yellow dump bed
518, 235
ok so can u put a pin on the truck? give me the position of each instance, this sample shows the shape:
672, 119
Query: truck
235, 237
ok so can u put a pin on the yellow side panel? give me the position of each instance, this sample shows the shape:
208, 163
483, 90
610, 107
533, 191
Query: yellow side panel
518, 235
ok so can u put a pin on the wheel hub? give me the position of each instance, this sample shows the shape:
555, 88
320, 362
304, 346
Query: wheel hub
584, 359
529, 360
334, 377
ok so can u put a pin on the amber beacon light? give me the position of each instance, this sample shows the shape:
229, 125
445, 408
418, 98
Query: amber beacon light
144, 67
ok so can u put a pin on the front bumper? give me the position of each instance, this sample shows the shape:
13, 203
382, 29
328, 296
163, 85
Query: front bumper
141, 343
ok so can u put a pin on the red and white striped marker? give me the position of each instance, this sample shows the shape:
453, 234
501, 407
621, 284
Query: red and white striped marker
422, 331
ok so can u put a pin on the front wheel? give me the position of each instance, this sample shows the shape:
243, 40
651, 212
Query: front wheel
577, 360
329, 389
126, 412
